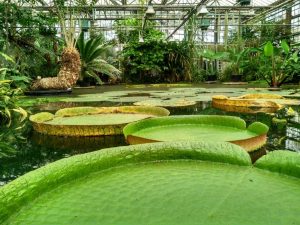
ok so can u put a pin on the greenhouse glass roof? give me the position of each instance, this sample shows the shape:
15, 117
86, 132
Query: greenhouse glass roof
170, 2
171, 15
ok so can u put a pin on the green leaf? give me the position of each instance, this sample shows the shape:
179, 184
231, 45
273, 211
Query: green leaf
269, 49
295, 56
7, 57
285, 46
192, 128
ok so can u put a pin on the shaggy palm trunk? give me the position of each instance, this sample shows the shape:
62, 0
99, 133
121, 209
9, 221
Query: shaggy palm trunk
68, 73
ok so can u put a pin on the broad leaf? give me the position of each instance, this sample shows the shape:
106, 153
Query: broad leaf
285, 46
269, 49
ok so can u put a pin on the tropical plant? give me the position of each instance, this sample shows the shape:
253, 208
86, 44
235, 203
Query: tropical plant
92, 54
12, 116
9, 72
178, 61
29, 37
70, 60
128, 31
210, 58
144, 62
278, 63
8, 103
157, 61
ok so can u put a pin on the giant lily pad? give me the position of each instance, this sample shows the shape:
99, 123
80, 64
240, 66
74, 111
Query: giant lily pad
193, 128
92, 121
176, 102
263, 102
161, 183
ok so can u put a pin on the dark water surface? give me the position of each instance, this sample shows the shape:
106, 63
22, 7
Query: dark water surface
39, 150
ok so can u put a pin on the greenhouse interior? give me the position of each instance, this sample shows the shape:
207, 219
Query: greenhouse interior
149, 112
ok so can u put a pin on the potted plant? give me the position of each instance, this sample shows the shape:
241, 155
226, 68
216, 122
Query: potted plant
85, 24
244, 2
204, 23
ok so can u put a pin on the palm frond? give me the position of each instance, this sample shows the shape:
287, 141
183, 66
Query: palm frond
92, 74
95, 54
101, 66
91, 53
80, 42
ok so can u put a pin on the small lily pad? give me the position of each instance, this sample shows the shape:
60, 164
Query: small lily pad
166, 103
129, 99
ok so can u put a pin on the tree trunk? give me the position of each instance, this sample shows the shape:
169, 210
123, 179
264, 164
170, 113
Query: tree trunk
68, 73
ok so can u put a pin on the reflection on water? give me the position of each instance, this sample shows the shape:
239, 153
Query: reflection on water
76, 145
42, 149
293, 137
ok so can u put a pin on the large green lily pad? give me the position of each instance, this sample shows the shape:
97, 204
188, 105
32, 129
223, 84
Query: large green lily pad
193, 128
92, 121
182, 183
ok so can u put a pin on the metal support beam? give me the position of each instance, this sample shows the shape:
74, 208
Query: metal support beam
114, 2
156, 7
187, 17
272, 8
115, 17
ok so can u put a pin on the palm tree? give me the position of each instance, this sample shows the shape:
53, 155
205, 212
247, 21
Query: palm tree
92, 52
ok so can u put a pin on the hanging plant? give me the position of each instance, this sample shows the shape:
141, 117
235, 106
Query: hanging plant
244, 2
204, 23
85, 24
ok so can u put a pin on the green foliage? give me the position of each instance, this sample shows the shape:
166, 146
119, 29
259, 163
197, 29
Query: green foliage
198, 75
278, 63
152, 60
29, 37
269, 49
11, 118
156, 61
92, 52
210, 58
8, 103
226, 73
11, 84
10, 87
128, 31
9, 71
271, 30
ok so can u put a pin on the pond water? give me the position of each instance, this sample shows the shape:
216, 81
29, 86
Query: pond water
38, 150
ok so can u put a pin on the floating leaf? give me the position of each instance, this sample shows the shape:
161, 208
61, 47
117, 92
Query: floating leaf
91, 121
166, 103
192, 128
214, 183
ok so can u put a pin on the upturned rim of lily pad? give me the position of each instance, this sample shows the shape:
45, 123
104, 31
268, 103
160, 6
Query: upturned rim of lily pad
147, 131
42, 122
